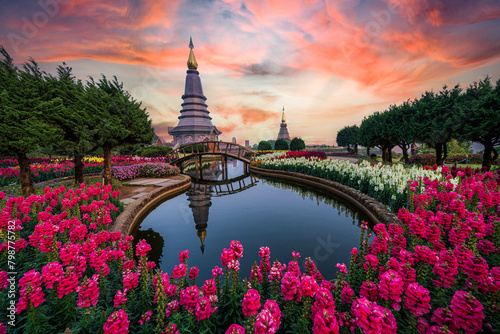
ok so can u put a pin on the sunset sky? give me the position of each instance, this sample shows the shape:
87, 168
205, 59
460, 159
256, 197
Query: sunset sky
328, 62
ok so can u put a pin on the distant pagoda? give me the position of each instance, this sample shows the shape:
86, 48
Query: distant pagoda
194, 122
283, 134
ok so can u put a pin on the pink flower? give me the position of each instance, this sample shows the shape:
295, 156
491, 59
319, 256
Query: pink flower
347, 293
179, 271
342, 267
264, 252
372, 261
369, 290
88, 293
237, 249
209, 288
272, 306
145, 317
171, 329
446, 269
227, 257
4, 283
417, 299
467, 312
308, 286
255, 274
295, 255
189, 297
183, 256
324, 300
293, 266
130, 281
193, 273
172, 307
251, 302
290, 286
117, 323
52, 272
391, 287
216, 272
31, 290
325, 322
265, 323
235, 329
67, 284
142, 248
372, 318
204, 309
120, 298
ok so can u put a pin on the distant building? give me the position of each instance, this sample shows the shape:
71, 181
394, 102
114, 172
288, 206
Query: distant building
234, 140
195, 124
160, 142
283, 134
247, 143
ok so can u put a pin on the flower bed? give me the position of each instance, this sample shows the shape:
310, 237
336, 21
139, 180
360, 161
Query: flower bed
387, 184
430, 158
435, 272
152, 169
44, 169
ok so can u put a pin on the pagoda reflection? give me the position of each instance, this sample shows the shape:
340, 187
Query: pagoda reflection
212, 183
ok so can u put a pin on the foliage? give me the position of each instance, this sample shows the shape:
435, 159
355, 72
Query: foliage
349, 136
154, 151
281, 145
479, 117
376, 130
264, 146
150, 169
437, 267
194, 148
297, 144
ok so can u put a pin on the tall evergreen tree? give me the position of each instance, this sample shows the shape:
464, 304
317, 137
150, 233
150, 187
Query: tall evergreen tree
122, 120
281, 145
297, 144
25, 113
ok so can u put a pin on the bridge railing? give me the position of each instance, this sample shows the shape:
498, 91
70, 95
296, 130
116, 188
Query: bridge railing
211, 147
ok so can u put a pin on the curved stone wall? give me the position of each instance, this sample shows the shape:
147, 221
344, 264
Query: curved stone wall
133, 214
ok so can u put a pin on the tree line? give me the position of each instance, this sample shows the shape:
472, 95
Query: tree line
435, 119
40, 110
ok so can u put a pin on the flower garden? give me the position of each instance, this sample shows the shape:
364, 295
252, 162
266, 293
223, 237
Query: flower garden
437, 271
44, 169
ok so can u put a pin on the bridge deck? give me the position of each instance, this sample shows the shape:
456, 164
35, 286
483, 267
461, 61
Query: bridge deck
191, 150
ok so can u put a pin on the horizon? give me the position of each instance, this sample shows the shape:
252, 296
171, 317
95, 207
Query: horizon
329, 63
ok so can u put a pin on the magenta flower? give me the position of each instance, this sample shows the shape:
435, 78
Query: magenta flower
142, 248
467, 312
417, 299
265, 323
120, 298
308, 286
369, 290
189, 297
179, 271
235, 329
272, 306
325, 322
391, 287
237, 249
216, 272
193, 273
204, 309
251, 302
88, 293
145, 317
209, 287
183, 256
347, 293
117, 323
290, 285
372, 318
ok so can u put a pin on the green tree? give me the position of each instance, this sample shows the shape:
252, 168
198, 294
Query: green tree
264, 146
348, 137
435, 118
297, 144
402, 130
25, 112
75, 118
480, 118
122, 121
375, 131
281, 145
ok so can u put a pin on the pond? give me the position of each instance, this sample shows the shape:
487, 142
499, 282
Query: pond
256, 211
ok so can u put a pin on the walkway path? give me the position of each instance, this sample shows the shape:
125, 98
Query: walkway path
136, 188
353, 160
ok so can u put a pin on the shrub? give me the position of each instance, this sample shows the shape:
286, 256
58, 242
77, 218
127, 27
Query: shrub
297, 144
154, 151
264, 146
281, 145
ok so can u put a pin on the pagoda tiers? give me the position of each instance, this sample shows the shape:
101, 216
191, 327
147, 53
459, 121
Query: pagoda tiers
195, 124
283, 134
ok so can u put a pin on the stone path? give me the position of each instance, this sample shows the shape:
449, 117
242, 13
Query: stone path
148, 186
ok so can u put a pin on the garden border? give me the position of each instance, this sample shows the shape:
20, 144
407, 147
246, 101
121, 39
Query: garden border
368, 206
138, 209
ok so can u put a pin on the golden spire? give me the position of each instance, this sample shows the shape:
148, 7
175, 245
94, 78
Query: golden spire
192, 64
283, 120
202, 234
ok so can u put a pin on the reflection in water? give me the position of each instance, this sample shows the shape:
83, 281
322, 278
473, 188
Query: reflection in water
212, 183
318, 197
270, 213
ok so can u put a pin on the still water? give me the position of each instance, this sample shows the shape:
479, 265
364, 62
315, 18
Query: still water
257, 212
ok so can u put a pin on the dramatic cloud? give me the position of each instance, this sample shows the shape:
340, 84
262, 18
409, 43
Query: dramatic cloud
330, 62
